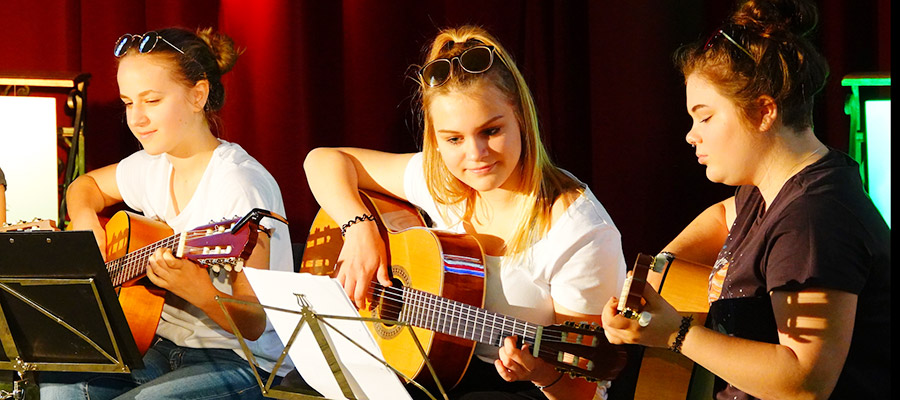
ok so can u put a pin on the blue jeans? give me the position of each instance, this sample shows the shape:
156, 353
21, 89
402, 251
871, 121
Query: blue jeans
170, 372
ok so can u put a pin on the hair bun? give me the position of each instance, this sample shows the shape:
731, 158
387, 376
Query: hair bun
772, 17
222, 48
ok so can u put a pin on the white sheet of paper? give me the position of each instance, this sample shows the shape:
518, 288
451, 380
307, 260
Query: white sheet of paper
368, 378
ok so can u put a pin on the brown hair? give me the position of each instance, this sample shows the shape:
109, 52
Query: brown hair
782, 62
207, 55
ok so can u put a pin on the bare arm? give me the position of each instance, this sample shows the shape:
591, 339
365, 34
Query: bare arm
814, 331
335, 175
88, 195
702, 239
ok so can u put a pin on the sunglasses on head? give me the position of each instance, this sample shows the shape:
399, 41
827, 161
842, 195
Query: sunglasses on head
145, 43
721, 32
473, 60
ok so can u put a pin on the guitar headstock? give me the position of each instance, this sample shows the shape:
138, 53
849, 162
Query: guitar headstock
221, 245
630, 301
581, 350
35, 225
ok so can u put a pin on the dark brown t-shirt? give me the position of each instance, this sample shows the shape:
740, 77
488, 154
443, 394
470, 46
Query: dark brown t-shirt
821, 231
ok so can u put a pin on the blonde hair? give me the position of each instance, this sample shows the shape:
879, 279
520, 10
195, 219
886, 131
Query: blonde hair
541, 182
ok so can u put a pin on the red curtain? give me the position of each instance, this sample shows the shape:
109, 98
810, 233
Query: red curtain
336, 73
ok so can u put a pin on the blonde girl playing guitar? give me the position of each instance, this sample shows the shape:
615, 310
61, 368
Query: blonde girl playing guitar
550, 245
170, 84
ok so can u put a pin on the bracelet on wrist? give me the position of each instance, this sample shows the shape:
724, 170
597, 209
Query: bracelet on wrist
682, 332
358, 218
551, 383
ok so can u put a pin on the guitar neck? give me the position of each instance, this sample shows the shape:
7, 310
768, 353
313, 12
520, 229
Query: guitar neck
454, 318
134, 265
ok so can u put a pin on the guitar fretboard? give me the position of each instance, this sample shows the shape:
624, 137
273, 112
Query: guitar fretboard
439, 314
134, 264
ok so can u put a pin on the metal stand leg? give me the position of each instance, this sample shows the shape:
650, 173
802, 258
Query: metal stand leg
18, 389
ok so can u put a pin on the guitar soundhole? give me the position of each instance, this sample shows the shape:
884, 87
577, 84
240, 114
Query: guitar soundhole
390, 303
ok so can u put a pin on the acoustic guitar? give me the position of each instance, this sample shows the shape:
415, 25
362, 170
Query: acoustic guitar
35, 225
132, 238
438, 289
665, 375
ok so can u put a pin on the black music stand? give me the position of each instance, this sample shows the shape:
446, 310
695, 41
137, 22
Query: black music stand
58, 309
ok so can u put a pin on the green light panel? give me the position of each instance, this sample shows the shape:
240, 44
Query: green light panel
878, 155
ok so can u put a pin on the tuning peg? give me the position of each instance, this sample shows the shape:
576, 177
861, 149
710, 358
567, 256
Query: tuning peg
644, 319
239, 266
215, 268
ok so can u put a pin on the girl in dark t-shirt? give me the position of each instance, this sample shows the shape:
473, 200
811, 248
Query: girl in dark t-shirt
800, 287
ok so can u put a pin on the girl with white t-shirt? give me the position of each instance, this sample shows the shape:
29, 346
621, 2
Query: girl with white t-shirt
551, 248
170, 83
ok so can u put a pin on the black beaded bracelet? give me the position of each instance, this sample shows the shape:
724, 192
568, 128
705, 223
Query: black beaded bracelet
682, 332
551, 383
358, 218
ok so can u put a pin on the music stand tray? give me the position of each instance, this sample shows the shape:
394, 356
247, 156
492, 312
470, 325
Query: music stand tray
58, 309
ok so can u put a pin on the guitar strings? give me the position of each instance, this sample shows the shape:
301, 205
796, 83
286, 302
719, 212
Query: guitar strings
419, 305
527, 332
454, 311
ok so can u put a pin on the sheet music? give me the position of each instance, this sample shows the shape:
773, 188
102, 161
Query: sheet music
368, 378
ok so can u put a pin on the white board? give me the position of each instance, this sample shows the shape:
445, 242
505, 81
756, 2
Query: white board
28, 157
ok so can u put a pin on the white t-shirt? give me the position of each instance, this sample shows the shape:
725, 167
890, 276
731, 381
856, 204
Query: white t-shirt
233, 184
578, 263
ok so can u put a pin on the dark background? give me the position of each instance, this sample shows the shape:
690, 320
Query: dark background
336, 73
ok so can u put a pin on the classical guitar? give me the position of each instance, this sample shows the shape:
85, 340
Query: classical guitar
132, 238
35, 225
665, 375
438, 289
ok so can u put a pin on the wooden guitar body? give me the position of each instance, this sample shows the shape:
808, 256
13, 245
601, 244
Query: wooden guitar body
665, 375
141, 301
433, 253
